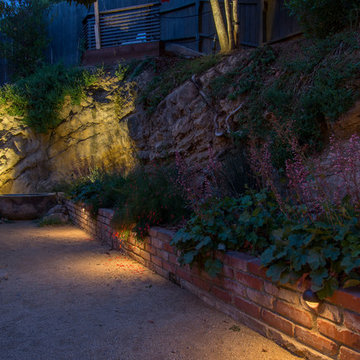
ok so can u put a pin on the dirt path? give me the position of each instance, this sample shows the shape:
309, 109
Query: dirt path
67, 297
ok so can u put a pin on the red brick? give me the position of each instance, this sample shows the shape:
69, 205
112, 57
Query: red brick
339, 334
217, 280
347, 354
318, 342
140, 244
200, 283
304, 352
228, 272
162, 272
250, 322
156, 260
247, 307
238, 261
173, 259
278, 322
235, 287
162, 254
348, 298
145, 255
221, 294
136, 250
352, 321
249, 280
256, 268
296, 314
183, 274
164, 234
261, 298
156, 243
167, 247
169, 267
330, 312
152, 232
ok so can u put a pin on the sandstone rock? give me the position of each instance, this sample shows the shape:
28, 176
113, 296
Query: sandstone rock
60, 209
60, 218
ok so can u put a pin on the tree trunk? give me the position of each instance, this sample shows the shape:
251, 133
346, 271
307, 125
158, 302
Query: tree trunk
220, 26
229, 24
235, 15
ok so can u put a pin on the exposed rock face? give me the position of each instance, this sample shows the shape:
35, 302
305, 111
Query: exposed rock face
185, 122
91, 135
106, 131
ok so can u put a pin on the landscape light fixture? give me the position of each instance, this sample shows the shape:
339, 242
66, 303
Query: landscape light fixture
311, 299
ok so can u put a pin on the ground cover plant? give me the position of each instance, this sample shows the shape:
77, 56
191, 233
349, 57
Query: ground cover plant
308, 229
312, 82
38, 98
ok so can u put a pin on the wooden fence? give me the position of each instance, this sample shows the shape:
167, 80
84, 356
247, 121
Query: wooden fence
190, 22
130, 25
187, 22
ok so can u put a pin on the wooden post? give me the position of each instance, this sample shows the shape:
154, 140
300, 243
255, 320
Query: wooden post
97, 25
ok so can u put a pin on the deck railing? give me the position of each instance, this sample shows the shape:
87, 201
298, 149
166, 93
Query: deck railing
124, 26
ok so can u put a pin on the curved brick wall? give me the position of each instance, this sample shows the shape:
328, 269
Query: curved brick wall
245, 293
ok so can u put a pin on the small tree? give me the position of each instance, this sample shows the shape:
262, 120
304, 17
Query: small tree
23, 26
228, 34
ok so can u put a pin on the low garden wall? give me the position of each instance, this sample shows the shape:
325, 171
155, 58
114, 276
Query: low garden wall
245, 293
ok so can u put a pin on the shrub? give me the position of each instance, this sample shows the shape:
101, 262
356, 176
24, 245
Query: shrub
98, 189
243, 223
140, 200
39, 97
321, 18
23, 25
149, 198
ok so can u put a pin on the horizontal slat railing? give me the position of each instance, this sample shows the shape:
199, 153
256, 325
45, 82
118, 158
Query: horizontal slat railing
131, 25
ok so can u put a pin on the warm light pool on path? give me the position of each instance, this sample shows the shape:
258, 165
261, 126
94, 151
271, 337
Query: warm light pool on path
68, 297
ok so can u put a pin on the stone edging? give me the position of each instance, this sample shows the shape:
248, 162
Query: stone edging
245, 293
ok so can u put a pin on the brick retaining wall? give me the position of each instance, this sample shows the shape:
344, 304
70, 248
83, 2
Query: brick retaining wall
245, 293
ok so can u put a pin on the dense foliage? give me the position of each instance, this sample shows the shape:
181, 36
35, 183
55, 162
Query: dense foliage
140, 200
307, 228
320, 18
291, 246
38, 98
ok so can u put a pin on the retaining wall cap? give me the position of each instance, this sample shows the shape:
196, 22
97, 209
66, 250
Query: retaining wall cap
164, 231
106, 212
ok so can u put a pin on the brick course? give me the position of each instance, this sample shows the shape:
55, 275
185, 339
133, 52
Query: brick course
245, 293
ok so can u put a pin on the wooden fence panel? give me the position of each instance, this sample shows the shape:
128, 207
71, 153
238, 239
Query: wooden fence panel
284, 25
135, 24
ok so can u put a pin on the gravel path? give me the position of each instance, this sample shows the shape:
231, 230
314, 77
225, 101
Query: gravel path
67, 297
